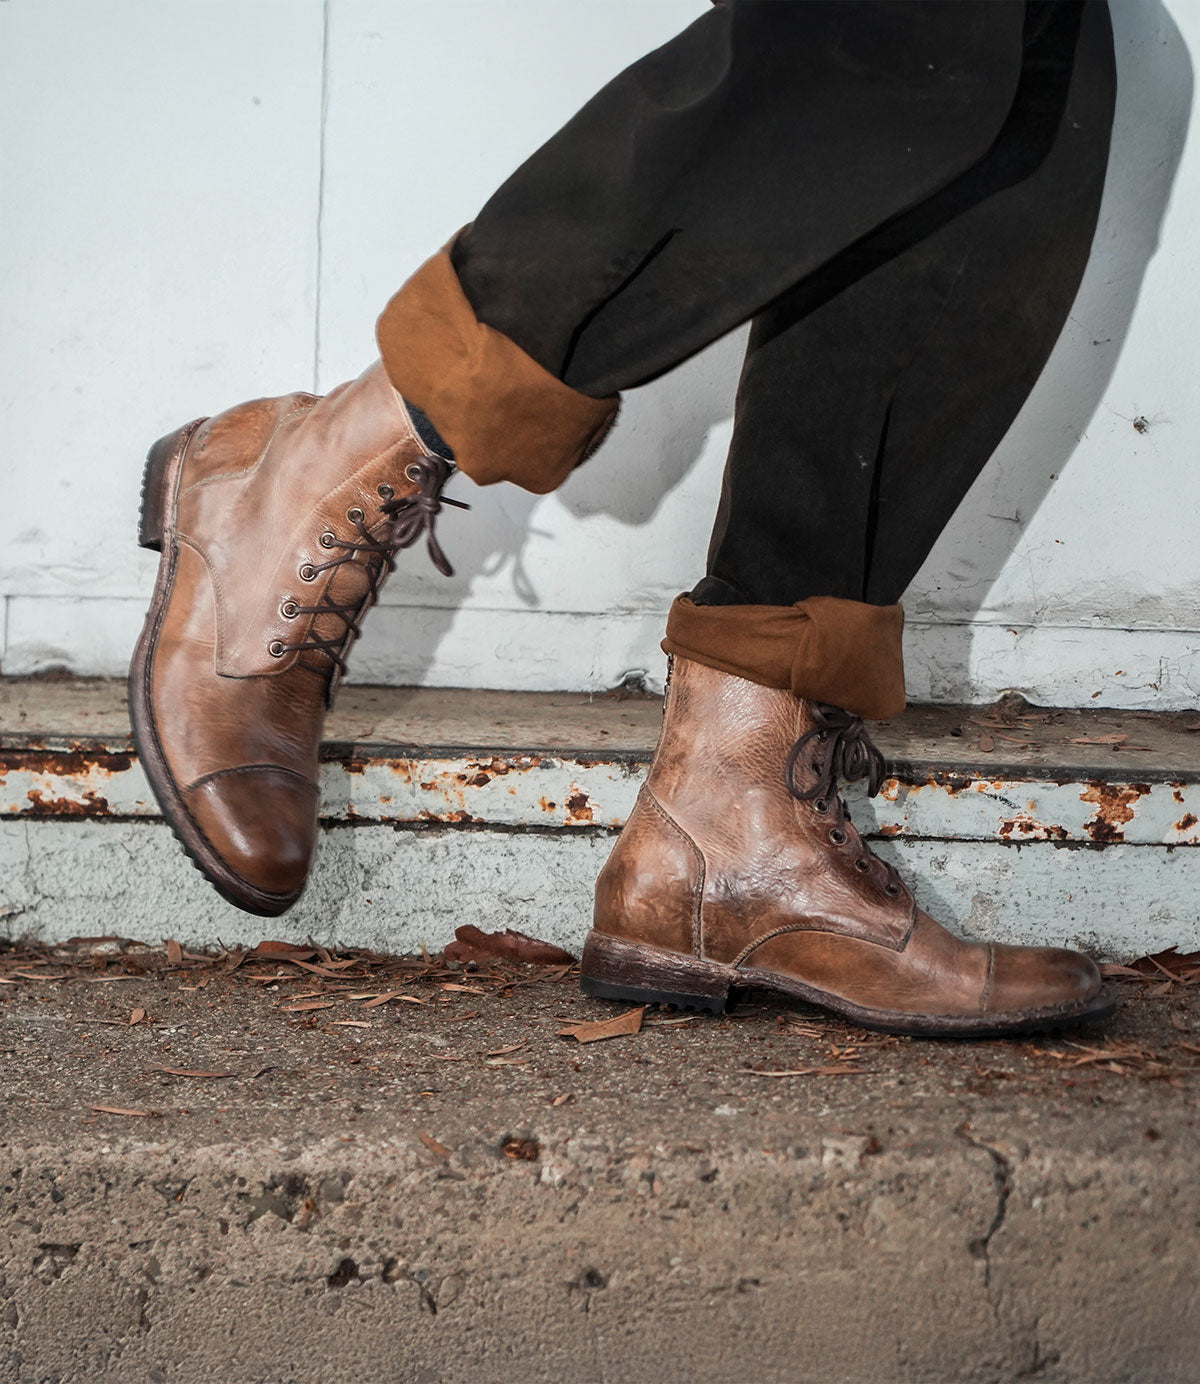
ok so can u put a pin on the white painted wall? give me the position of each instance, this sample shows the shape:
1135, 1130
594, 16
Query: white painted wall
205, 200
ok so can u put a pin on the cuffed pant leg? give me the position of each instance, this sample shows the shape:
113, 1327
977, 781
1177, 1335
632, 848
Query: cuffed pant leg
866, 411
689, 193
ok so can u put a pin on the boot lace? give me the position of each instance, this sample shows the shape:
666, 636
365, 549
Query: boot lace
841, 748
408, 517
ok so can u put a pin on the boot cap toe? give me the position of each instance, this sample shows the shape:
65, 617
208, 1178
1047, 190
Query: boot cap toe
1032, 979
261, 821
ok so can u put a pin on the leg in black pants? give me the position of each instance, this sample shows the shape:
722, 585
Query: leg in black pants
902, 195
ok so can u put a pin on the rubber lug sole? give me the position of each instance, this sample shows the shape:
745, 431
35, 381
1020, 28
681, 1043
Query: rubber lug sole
160, 484
629, 972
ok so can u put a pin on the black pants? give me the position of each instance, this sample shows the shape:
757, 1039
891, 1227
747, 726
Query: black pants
902, 195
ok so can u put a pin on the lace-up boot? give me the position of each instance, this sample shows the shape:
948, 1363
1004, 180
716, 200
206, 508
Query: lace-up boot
740, 866
277, 522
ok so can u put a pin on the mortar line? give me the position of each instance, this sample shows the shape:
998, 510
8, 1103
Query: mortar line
657, 613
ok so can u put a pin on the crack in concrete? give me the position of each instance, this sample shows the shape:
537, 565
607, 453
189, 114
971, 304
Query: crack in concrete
980, 1248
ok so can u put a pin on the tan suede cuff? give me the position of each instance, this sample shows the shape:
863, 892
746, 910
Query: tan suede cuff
506, 417
824, 649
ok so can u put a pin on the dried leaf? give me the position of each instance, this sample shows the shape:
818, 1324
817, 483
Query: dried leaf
352, 1023
618, 1027
283, 951
471, 944
463, 989
434, 1145
512, 1047
809, 1071
563, 1099
1116, 738
174, 953
307, 1004
180, 1071
391, 995
136, 1017
986, 743
120, 1110
524, 1150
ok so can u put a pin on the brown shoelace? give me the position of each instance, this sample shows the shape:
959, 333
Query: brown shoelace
842, 750
410, 516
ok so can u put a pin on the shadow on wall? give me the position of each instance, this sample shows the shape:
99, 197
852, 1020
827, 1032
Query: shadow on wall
1154, 100
662, 433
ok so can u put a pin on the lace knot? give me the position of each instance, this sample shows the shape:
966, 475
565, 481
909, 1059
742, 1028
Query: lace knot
413, 515
840, 749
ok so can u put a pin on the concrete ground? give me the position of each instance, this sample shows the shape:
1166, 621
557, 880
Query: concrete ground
239, 1168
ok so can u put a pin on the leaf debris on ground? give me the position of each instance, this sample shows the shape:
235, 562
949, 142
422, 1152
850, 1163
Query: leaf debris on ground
592, 1031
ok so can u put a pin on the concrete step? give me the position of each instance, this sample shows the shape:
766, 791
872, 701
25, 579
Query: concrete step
445, 806
443, 1189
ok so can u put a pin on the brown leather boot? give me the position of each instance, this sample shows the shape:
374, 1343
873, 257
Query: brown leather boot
740, 866
277, 522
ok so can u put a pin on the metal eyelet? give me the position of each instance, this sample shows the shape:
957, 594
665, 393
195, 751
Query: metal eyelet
289, 610
413, 471
386, 492
308, 572
328, 539
838, 836
276, 649
355, 515
862, 866
893, 889
821, 805
822, 736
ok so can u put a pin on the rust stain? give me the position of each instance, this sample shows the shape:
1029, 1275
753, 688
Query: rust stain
1026, 827
91, 805
579, 808
59, 765
447, 817
1114, 807
1178, 796
547, 806
1186, 822
891, 828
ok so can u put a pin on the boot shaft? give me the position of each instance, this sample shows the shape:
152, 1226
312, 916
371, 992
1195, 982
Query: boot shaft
282, 498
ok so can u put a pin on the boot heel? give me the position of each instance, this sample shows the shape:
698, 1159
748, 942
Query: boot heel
613, 969
155, 483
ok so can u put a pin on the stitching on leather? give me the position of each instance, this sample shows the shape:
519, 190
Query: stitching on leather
991, 972
698, 860
182, 540
250, 769
750, 947
298, 407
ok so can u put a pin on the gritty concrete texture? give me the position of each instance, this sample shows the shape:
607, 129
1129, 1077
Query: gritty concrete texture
1014, 822
440, 1188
